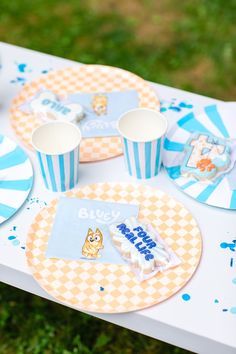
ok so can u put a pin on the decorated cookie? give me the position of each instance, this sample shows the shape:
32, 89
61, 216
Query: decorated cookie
140, 247
205, 156
47, 106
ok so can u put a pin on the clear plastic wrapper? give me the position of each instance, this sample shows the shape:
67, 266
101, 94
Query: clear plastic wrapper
143, 248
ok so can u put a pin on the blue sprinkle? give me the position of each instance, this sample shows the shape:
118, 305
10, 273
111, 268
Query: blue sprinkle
225, 310
216, 301
174, 108
15, 242
101, 288
186, 297
11, 237
185, 105
22, 67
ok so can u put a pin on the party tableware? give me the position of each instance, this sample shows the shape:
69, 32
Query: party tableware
57, 146
142, 131
16, 177
84, 78
111, 288
216, 120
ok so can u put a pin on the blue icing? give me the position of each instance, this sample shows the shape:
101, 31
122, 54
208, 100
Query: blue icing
209, 161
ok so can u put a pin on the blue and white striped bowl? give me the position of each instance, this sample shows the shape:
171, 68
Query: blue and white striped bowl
16, 177
59, 169
142, 156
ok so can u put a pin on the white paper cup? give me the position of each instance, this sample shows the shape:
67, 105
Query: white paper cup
57, 147
142, 131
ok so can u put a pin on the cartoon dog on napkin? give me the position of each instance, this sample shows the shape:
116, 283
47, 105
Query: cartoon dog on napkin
92, 244
99, 104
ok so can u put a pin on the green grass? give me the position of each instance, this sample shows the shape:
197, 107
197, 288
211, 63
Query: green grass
188, 44
29, 324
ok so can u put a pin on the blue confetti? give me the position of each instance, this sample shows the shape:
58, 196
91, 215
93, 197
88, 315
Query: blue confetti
216, 301
101, 288
234, 281
11, 238
231, 262
224, 310
186, 297
231, 246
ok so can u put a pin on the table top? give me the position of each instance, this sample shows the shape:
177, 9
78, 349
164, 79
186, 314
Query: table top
202, 316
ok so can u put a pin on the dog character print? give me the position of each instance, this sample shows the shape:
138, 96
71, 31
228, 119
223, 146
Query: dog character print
93, 244
99, 104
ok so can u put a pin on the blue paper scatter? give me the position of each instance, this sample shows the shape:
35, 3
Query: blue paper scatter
186, 297
18, 80
45, 71
231, 246
173, 105
224, 310
35, 200
216, 301
101, 288
231, 262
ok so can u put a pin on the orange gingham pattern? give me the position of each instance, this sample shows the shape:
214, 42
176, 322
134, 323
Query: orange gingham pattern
84, 78
78, 283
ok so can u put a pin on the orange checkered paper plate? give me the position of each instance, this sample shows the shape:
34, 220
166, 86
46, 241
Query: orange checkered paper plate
112, 288
84, 78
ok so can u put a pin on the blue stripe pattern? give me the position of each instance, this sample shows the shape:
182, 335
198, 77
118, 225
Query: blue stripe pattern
158, 157
188, 184
216, 119
127, 155
62, 172
173, 146
13, 158
205, 194
20, 185
191, 124
72, 164
42, 169
136, 159
51, 172
148, 147
233, 200
6, 211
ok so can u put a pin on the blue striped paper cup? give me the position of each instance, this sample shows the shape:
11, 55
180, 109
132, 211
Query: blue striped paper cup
142, 131
57, 146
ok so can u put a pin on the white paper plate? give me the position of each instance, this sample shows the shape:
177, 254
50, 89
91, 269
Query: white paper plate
219, 120
16, 177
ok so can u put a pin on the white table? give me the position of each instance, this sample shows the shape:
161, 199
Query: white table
201, 324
